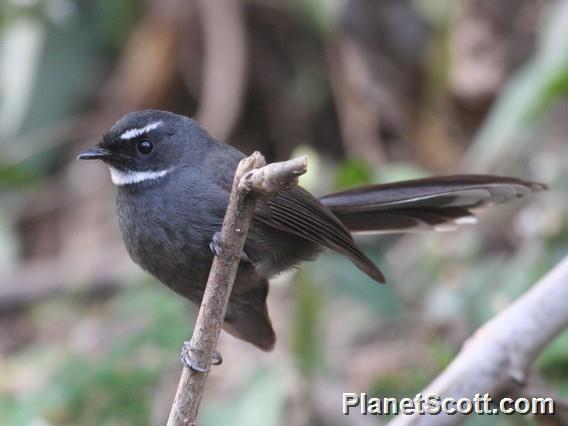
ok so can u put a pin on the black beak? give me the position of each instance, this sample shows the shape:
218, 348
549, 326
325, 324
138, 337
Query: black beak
95, 153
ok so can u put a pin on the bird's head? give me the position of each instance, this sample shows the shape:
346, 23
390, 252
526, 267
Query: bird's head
145, 146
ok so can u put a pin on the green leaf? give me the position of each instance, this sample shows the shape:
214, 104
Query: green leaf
354, 172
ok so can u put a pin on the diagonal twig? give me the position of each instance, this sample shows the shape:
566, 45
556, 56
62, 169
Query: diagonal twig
253, 179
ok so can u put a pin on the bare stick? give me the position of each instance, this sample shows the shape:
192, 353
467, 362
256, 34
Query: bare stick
501, 351
252, 179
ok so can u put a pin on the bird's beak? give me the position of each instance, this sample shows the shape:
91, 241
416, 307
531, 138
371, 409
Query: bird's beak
95, 153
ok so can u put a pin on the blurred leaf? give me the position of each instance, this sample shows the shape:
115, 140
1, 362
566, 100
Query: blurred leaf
437, 12
114, 392
18, 175
353, 172
346, 279
394, 172
310, 179
32, 169
402, 384
20, 52
307, 341
67, 74
8, 243
73, 57
556, 88
118, 386
318, 14
553, 363
114, 21
260, 404
508, 117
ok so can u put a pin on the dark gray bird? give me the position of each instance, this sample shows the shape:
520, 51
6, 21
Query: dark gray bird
174, 182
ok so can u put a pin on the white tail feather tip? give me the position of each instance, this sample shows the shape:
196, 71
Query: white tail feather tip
466, 220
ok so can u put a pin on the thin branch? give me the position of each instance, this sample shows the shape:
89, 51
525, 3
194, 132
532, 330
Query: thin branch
501, 352
252, 180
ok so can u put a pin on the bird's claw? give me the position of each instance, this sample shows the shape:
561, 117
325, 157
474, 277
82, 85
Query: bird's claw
188, 362
216, 247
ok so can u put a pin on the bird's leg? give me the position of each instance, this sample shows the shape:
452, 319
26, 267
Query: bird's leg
187, 361
217, 248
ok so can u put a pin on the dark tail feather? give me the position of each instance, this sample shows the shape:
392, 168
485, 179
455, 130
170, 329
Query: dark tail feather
247, 316
439, 203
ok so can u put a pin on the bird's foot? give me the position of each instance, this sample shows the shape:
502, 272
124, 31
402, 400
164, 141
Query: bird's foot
216, 247
188, 362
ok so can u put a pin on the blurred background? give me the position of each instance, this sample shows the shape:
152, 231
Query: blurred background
372, 91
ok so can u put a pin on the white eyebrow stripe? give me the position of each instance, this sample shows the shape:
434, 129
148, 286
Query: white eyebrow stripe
132, 133
121, 178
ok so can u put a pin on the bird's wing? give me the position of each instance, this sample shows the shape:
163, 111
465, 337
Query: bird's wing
297, 212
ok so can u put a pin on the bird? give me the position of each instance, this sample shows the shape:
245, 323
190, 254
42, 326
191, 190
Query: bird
174, 182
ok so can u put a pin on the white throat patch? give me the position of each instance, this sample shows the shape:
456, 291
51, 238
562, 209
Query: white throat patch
133, 133
120, 177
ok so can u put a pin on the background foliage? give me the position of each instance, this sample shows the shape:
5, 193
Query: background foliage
373, 92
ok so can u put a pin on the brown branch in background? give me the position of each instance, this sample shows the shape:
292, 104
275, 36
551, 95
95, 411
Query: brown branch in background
501, 352
375, 72
252, 180
153, 48
487, 42
225, 64
357, 111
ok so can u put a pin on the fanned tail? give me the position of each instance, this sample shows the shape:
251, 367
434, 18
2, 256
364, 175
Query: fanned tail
436, 203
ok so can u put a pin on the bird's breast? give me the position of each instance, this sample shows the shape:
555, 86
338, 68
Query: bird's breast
163, 241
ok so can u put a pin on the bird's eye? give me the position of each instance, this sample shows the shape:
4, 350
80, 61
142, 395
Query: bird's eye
145, 147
